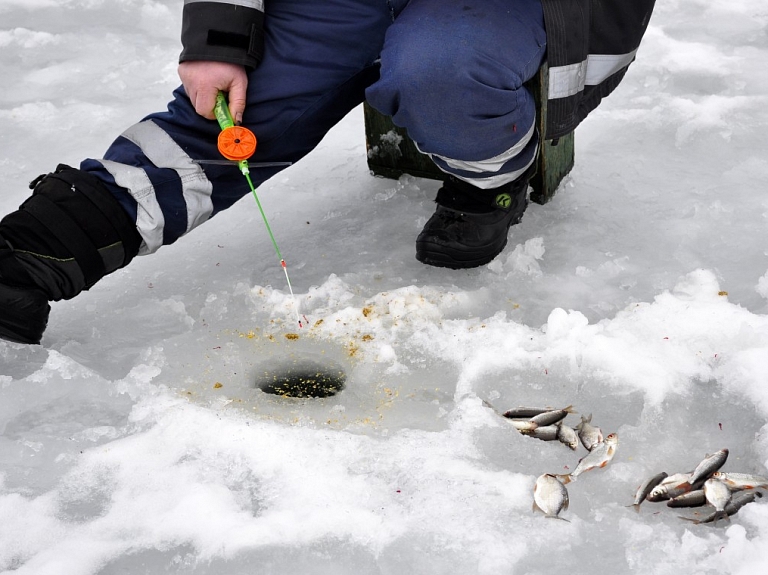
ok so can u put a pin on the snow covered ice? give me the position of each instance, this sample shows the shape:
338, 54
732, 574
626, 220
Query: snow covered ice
639, 294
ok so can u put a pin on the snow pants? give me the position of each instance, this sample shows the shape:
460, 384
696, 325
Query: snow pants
450, 71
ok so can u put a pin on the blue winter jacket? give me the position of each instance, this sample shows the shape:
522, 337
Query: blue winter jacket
590, 45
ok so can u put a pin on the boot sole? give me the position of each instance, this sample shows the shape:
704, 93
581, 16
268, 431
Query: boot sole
23, 314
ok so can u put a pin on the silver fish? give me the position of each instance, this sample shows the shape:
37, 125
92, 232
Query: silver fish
739, 481
718, 496
708, 466
646, 487
673, 486
550, 496
541, 420
600, 455
588, 433
550, 417
523, 425
738, 500
567, 435
664, 492
690, 499
525, 412
677, 479
546, 433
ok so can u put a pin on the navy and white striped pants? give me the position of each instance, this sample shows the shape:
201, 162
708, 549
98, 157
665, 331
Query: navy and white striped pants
450, 71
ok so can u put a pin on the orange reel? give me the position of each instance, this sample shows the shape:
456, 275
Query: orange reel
237, 143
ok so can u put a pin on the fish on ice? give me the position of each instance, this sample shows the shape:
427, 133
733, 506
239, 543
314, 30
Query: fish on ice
718, 496
646, 487
673, 486
691, 499
550, 496
567, 435
525, 412
708, 466
741, 481
589, 435
551, 417
600, 456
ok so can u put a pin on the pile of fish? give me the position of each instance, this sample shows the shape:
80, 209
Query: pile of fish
724, 492
550, 495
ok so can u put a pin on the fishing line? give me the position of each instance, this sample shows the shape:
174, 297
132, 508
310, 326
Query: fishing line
237, 144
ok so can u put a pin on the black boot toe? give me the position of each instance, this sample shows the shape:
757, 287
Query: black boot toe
458, 240
23, 314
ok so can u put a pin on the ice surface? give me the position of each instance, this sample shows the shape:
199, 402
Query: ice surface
135, 441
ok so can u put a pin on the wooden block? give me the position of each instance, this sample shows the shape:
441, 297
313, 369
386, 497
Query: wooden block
391, 153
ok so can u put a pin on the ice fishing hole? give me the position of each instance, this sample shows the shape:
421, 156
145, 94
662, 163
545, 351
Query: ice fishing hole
302, 378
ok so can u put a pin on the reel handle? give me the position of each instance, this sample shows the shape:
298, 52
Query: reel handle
235, 143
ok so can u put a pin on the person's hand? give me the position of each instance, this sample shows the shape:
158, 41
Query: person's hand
203, 79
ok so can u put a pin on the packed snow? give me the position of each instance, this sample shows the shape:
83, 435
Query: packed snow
134, 440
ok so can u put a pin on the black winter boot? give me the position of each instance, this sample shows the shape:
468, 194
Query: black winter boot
68, 235
23, 310
469, 227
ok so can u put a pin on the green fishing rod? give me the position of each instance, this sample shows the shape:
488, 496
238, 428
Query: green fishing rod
237, 144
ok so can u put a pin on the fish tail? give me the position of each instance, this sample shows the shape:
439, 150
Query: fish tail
489, 405
694, 521
587, 419
637, 507
565, 479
